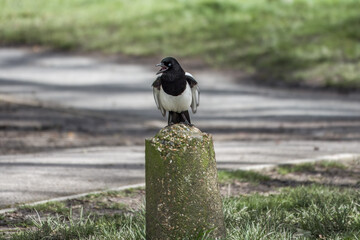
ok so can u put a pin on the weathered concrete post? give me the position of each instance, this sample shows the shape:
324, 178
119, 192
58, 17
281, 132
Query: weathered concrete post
182, 194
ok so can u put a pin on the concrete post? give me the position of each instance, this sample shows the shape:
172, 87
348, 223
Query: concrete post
182, 193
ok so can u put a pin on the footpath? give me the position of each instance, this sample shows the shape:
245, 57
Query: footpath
253, 127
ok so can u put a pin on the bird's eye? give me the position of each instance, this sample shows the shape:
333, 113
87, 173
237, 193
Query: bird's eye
169, 64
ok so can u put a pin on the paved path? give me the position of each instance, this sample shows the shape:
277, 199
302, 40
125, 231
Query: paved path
252, 126
34, 177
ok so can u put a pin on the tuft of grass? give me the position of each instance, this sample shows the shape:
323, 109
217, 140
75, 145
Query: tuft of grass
312, 43
50, 207
309, 167
332, 165
241, 175
289, 168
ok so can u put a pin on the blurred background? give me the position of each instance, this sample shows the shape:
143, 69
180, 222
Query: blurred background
312, 43
268, 69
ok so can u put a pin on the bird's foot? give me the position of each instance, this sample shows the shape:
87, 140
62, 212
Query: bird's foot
170, 124
187, 123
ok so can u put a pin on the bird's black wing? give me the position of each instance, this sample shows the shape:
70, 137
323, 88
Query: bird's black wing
195, 91
156, 92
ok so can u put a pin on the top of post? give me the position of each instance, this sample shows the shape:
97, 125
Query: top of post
180, 130
178, 136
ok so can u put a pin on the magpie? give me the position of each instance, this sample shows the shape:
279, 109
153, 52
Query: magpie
175, 91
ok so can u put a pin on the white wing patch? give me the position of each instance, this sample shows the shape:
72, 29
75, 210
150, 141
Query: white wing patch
189, 74
195, 98
195, 92
156, 93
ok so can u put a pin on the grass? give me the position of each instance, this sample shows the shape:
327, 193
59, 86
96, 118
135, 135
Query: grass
58, 207
126, 226
309, 167
332, 164
241, 175
307, 212
302, 212
288, 168
314, 43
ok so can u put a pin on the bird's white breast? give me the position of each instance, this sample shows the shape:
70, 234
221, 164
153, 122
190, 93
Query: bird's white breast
178, 103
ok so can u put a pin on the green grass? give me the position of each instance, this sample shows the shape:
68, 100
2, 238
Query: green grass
332, 165
288, 168
303, 213
278, 41
241, 175
58, 207
126, 226
309, 167
308, 212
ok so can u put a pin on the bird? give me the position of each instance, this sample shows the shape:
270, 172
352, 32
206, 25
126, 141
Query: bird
175, 91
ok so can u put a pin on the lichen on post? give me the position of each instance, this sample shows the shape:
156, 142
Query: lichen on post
182, 193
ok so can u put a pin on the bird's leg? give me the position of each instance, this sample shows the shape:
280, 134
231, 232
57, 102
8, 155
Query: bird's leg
185, 115
170, 119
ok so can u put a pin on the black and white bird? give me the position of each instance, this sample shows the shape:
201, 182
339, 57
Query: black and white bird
175, 91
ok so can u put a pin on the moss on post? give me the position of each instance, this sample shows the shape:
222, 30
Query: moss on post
182, 194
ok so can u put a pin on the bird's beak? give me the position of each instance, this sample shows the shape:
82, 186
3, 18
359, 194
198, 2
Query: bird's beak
162, 69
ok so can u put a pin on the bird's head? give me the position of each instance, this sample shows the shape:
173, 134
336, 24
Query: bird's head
169, 65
